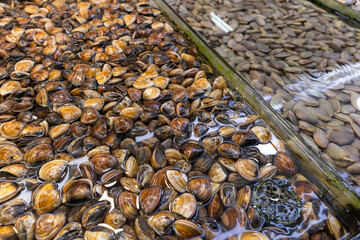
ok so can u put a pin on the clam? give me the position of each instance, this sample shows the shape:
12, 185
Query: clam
184, 205
25, 226
162, 222
53, 171
131, 167
177, 179
127, 204
229, 164
9, 190
158, 159
149, 198
284, 164
11, 129
144, 175
217, 173
89, 116
211, 228
95, 214
115, 218
251, 235
234, 216
10, 154
187, 229
229, 150
46, 198
8, 232
142, 229
200, 187
191, 150
247, 168
212, 143
227, 194
48, 225
9, 87
39, 154
130, 184
262, 133
103, 162
77, 191
71, 230
12, 210
99, 232
173, 156
334, 226
245, 138
69, 113
215, 207
168, 195
244, 196
13, 171
159, 178
181, 127
255, 220
111, 177
267, 172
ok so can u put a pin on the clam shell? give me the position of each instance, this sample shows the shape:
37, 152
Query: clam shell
200, 187
46, 198
149, 198
162, 222
187, 229
53, 171
247, 168
227, 194
177, 179
77, 192
127, 204
284, 164
184, 205
95, 214
215, 207
48, 225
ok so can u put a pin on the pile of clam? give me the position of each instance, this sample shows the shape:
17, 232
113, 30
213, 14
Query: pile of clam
111, 128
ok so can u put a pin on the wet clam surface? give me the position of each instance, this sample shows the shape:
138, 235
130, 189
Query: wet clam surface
112, 128
303, 60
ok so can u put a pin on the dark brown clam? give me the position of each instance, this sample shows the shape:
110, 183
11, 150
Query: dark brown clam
229, 150
95, 214
245, 138
103, 162
158, 159
181, 127
192, 150
77, 191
